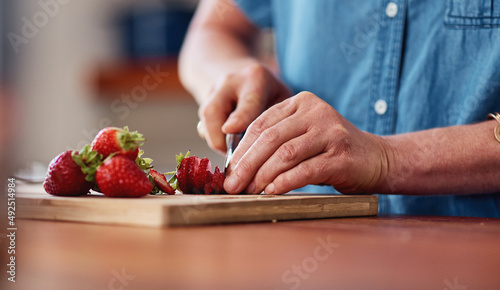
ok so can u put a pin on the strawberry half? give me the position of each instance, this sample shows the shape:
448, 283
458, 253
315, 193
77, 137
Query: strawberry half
161, 182
111, 139
71, 173
121, 177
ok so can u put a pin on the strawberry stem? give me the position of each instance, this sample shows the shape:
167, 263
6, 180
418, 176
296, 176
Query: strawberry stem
130, 140
143, 163
88, 160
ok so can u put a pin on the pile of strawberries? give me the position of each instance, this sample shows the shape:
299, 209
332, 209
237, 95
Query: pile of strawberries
113, 165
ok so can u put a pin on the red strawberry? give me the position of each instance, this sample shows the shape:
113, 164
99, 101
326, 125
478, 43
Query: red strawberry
194, 177
202, 175
71, 173
110, 140
122, 177
182, 173
219, 185
216, 185
161, 182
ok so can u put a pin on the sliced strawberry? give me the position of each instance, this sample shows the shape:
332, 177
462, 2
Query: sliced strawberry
202, 175
161, 182
182, 174
194, 164
194, 176
116, 140
219, 186
209, 189
121, 177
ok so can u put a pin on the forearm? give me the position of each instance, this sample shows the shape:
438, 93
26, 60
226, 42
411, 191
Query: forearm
215, 46
453, 160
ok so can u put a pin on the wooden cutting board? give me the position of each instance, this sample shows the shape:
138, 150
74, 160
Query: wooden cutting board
177, 210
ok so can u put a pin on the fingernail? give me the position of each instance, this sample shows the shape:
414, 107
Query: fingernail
270, 189
251, 187
231, 183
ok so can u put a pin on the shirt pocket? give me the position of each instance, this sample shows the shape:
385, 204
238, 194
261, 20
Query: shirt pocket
472, 14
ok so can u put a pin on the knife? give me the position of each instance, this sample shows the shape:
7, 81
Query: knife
232, 141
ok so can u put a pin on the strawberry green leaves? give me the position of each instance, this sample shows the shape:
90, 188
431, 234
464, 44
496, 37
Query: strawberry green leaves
129, 141
89, 160
143, 163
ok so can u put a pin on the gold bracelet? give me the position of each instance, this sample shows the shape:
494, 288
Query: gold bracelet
496, 116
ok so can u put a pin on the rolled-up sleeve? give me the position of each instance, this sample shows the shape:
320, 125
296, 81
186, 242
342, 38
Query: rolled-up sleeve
258, 11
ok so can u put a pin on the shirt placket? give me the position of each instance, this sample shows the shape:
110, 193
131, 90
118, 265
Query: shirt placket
386, 68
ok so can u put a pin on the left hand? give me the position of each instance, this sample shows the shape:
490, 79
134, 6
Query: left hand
301, 141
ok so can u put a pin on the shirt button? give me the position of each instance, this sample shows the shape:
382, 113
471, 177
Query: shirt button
391, 10
380, 107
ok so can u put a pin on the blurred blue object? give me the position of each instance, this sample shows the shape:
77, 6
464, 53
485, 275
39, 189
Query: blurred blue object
152, 33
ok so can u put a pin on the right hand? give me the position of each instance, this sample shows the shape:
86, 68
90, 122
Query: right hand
236, 100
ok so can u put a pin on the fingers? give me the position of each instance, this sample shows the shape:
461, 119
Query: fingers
213, 114
310, 171
284, 141
268, 119
288, 155
302, 141
248, 108
257, 85
248, 93
262, 140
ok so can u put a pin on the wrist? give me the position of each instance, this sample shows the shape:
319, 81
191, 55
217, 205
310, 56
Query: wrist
386, 152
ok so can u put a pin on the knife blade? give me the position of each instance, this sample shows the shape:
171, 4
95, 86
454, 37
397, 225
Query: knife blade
232, 141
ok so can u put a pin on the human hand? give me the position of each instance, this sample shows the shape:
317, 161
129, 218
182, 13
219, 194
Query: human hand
236, 101
301, 141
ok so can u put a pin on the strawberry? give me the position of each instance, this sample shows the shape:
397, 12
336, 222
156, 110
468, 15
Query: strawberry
161, 182
121, 177
71, 173
202, 175
216, 184
218, 181
194, 176
111, 139
181, 174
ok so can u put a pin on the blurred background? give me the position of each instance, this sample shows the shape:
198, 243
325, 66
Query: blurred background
70, 68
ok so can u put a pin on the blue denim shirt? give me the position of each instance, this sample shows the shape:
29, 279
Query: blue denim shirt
392, 67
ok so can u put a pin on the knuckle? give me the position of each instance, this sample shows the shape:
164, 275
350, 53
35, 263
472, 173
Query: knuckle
305, 95
288, 153
252, 100
244, 166
258, 126
283, 182
307, 172
269, 136
226, 79
255, 71
209, 110
262, 179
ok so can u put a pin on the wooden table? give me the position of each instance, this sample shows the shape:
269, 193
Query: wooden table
345, 253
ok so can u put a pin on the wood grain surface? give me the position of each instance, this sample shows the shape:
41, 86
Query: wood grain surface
178, 210
396, 252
